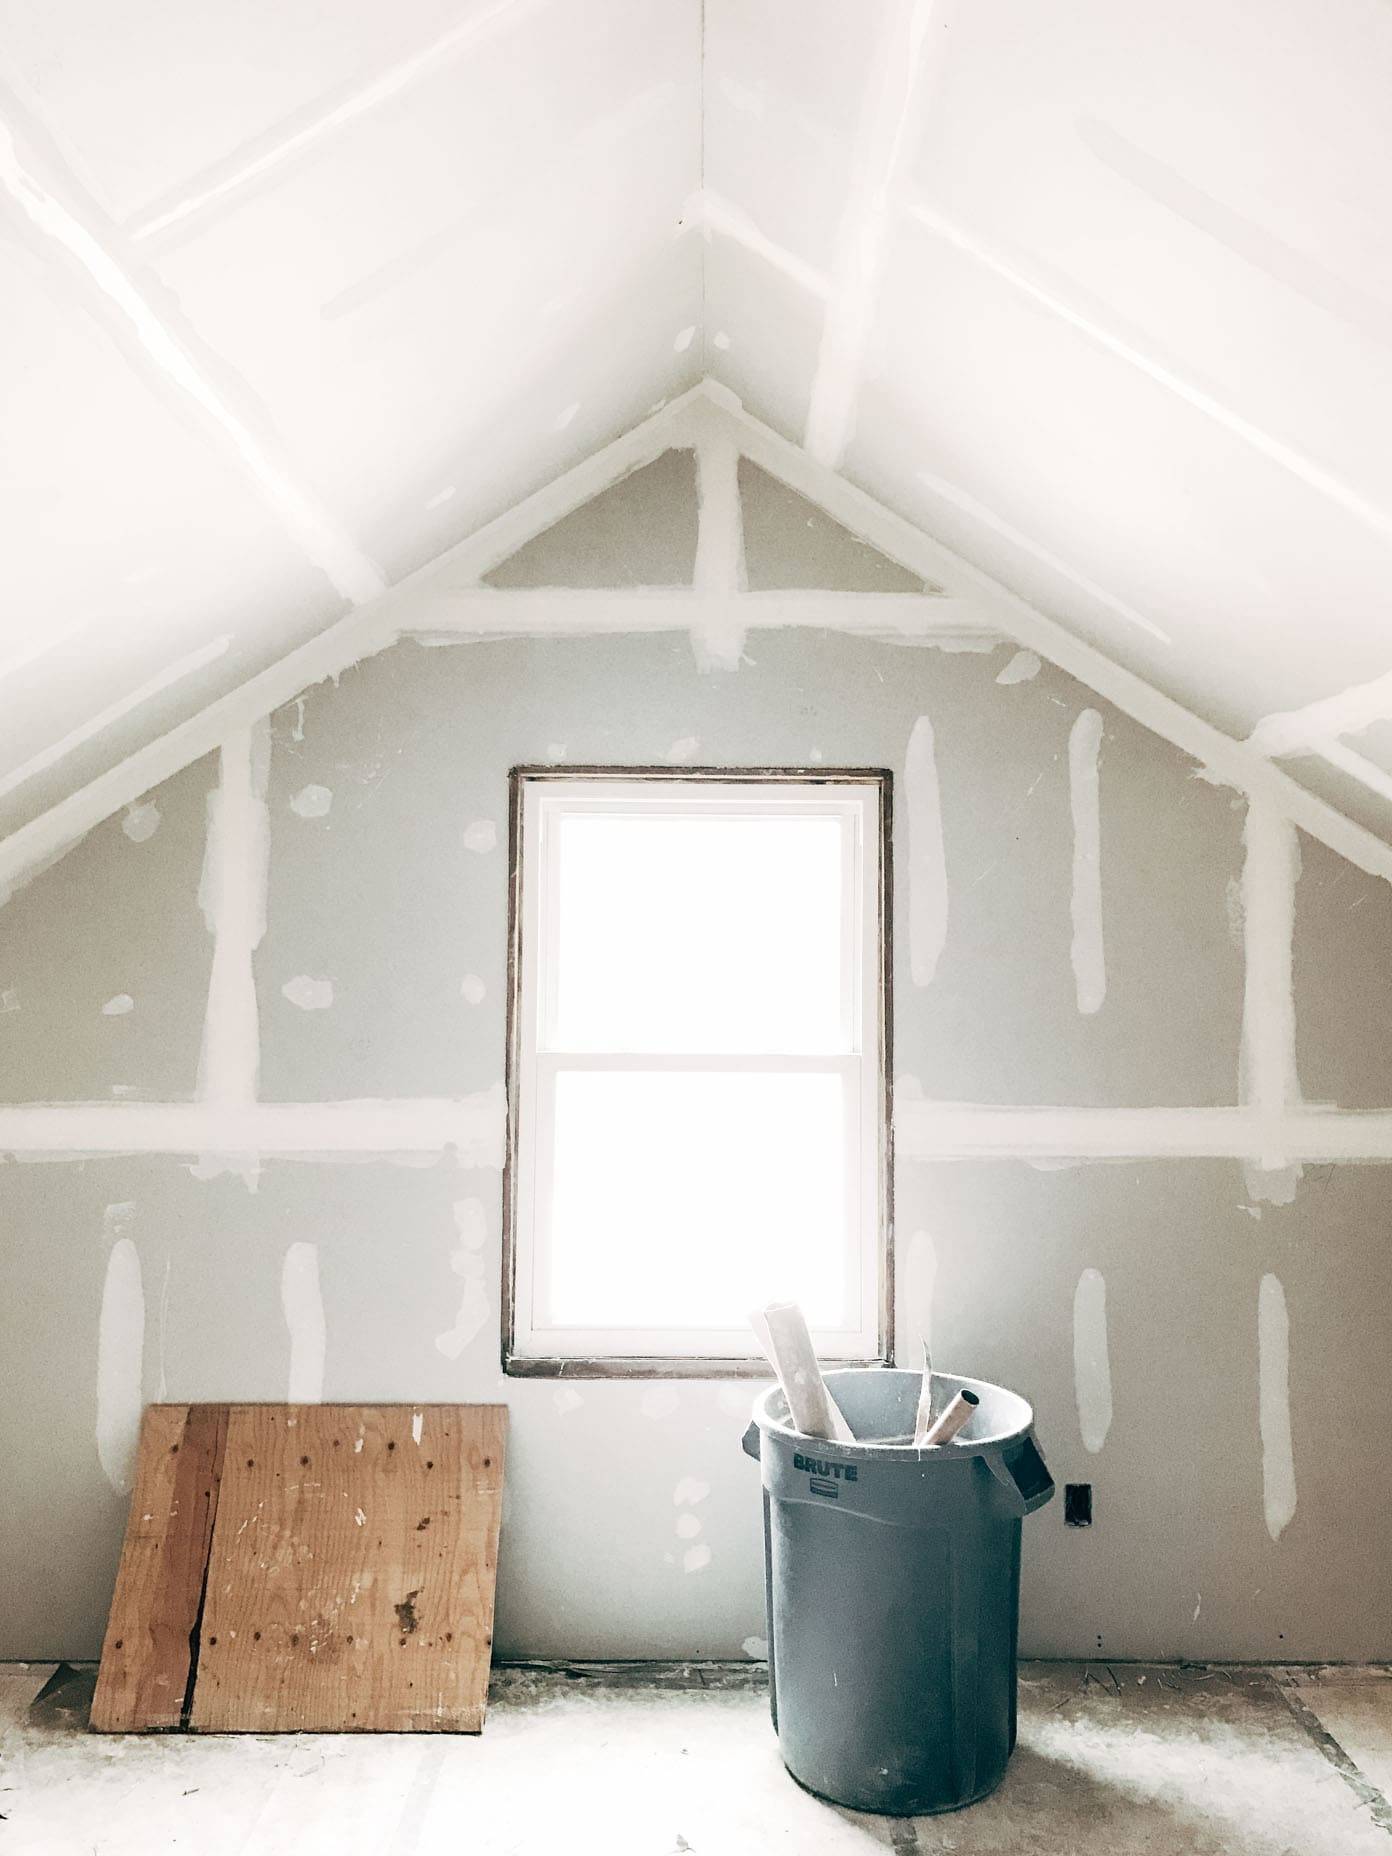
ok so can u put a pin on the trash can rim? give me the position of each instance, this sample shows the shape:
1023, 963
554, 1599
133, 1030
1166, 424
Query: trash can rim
871, 1448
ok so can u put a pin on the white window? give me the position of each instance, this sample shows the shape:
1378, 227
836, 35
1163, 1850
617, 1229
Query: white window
696, 1065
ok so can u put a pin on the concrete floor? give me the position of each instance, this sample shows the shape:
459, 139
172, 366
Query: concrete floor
654, 1760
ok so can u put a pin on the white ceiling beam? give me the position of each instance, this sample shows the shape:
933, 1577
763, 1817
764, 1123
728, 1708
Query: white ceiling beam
891, 117
1288, 457
221, 184
1230, 761
170, 357
1305, 730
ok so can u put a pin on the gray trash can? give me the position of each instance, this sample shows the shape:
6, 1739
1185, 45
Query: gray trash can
892, 1579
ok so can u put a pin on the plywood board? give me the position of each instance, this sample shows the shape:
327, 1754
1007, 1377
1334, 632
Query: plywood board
146, 1658
351, 1581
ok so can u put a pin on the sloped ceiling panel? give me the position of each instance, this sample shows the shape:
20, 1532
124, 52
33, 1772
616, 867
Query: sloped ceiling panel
1125, 304
293, 299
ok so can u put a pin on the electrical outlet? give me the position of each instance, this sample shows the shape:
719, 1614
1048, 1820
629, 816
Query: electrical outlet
1077, 1504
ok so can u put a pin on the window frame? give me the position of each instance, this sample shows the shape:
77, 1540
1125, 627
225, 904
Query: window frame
875, 1055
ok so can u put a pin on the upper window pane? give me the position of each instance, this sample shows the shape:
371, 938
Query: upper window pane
701, 933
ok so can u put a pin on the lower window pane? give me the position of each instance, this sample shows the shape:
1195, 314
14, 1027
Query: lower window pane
683, 1201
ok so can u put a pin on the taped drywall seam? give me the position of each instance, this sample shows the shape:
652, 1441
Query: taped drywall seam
1267, 1079
891, 115
120, 1364
1358, 767
472, 1129
927, 855
719, 579
468, 1262
1307, 469
302, 1304
105, 718
929, 1130
1221, 758
1092, 1367
1300, 731
1088, 953
1273, 1378
711, 212
978, 512
466, 615
171, 353
232, 895
261, 156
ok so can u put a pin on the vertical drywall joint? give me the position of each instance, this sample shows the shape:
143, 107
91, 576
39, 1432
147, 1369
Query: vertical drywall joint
1267, 1078
717, 637
232, 895
927, 855
1088, 949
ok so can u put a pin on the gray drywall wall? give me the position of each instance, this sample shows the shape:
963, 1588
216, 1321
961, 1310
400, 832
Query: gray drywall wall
632, 1518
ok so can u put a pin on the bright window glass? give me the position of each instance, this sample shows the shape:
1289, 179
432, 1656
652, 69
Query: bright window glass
696, 1071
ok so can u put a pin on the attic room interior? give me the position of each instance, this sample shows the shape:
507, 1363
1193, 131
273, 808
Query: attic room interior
695, 932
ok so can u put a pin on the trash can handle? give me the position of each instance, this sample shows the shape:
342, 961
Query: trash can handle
1023, 1473
750, 1441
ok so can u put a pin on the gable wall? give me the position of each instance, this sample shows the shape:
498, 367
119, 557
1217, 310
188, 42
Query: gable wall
381, 975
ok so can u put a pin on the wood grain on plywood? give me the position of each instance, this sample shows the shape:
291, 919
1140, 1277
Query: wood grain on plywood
145, 1665
351, 1581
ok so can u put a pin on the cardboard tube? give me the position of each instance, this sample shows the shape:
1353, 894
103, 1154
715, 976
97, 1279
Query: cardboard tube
813, 1411
923, 1417
953, 1419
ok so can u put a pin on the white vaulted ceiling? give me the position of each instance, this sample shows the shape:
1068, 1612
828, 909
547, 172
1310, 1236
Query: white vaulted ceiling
293, 296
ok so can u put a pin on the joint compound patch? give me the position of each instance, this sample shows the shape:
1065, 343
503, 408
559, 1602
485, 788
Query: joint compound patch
468, 1263
118, 1006
481, 836
120, 1361
312, 802
472, 989
1022, 668
142, 821
309, 994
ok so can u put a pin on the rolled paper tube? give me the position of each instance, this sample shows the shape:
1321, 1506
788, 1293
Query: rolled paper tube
923, 1417
783, 1332
953, 1419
